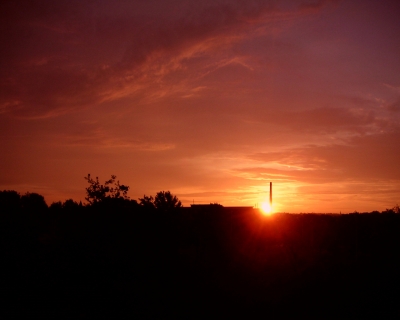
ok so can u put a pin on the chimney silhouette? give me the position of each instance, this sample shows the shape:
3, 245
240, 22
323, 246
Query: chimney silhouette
270, 194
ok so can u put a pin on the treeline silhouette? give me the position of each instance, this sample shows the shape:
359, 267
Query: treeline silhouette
154, 258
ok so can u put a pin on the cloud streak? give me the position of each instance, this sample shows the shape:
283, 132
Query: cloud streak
69, 56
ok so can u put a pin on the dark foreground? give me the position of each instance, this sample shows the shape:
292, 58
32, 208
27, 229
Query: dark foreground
217, 262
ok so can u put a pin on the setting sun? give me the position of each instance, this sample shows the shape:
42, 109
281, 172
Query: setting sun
266, 208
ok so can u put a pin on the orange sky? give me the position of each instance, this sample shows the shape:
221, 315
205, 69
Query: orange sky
211, 100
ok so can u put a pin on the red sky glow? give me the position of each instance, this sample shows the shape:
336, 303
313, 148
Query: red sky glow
211, 100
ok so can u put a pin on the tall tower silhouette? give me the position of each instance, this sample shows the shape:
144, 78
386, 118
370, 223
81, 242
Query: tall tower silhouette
270, 194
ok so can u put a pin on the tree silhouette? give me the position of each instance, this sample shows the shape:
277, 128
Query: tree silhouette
166, 201
147, 202
10, 200
33, 202
70, 205
111, 189
163, 201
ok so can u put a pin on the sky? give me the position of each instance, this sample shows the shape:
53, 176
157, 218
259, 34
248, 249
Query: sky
210, 99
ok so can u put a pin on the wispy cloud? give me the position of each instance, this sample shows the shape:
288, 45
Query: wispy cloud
68, 57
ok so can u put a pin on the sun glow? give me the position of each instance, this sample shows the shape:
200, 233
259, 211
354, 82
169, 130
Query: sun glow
266, 208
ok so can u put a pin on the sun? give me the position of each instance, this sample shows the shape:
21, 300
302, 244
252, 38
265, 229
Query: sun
266, 208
